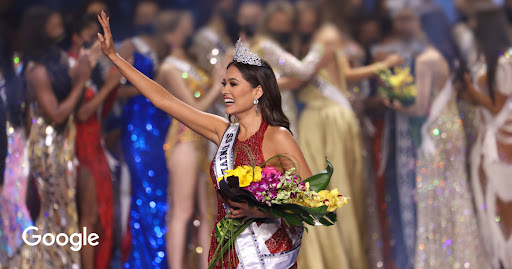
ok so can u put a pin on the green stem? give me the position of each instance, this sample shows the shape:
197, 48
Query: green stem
230, 242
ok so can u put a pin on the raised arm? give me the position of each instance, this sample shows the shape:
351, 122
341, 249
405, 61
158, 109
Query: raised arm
88, 109
170, 77
39, 80
290, 66
208, 125
356, 74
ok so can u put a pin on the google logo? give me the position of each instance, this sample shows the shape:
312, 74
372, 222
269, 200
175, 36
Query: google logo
61, 239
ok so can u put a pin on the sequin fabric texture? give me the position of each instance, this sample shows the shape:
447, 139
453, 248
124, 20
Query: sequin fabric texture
14, 217
89, 153
280, 240
51, 152
447, 235
144, 128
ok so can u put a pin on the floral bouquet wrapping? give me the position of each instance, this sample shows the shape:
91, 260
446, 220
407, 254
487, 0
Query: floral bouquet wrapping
398, 84
284, 193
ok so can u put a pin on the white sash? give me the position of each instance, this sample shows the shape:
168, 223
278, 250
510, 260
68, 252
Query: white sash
250, 244
144, 48
491, 130
439, 103
224, 158
331, 92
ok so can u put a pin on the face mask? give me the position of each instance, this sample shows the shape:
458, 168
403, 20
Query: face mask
305, 38
86, 44
189, 41
281, 37
145, 29
249, 30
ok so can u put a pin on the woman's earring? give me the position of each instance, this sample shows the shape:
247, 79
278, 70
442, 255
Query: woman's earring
256, 101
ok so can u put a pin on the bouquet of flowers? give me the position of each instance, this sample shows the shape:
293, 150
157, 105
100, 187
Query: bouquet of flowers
398, 84
284, 193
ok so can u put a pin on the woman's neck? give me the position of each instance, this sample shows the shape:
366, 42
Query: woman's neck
179, 53
217, 23
249, 124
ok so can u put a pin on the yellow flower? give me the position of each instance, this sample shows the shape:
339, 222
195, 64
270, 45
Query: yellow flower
244, 175
395, 82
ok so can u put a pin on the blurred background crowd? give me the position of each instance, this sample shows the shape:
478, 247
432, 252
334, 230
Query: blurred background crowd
430, 182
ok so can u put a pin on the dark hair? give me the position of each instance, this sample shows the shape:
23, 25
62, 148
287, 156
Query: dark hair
491, 34
39, 48
86, 21
36, 42
437, 27
270, 101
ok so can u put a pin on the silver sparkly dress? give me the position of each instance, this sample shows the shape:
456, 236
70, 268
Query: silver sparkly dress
447, 232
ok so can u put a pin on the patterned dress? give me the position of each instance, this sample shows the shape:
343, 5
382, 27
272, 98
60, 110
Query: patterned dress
51, 152
14, 216
277, 242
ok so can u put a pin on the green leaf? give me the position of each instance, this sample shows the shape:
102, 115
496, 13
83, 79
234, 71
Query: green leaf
293, 219
278, 213
320, 181
235, 228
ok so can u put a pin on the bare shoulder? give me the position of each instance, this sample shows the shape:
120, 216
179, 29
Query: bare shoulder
167, 68
36, 72
429, 57
280, 140
278, 134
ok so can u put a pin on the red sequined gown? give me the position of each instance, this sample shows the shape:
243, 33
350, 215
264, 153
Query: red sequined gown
90, 154
280, 241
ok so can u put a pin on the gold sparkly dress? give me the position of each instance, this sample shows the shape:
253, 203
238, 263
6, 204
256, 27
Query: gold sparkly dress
447, 233
331, 129
285, 64
197, 81
51, 157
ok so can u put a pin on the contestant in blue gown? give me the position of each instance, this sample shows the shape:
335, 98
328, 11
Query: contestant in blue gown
144, 128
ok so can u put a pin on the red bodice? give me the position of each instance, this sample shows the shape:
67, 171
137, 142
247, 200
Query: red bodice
280, 241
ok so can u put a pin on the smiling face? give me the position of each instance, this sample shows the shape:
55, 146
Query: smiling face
238, 93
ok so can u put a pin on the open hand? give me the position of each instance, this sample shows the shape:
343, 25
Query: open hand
245, 211
107, 43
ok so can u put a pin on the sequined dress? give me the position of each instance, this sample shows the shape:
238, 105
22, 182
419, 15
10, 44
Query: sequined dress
14, 216
447, 235
144, 128
90, 154
51, 153
277, 242
197, 81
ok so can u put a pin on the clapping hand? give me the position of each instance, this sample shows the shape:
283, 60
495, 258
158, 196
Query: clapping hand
107, 43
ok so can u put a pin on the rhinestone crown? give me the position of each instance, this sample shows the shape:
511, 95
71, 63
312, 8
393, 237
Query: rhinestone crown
244, 55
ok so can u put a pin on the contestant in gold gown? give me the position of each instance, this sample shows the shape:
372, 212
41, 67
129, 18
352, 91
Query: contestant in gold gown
330, 129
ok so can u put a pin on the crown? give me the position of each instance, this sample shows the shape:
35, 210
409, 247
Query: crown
244, 55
